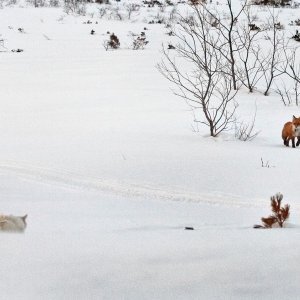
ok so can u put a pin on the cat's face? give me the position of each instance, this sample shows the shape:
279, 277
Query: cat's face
20, 220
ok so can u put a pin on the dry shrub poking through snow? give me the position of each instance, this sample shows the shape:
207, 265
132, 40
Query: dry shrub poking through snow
139, 41
279, 216
112, 43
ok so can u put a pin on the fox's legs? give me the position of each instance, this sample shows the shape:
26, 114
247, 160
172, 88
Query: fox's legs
286, 141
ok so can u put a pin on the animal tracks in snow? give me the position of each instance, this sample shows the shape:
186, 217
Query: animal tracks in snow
69, 179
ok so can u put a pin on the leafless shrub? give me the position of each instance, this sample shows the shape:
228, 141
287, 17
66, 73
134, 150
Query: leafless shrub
226, 28
102, 11
54, 3
285, 94
159, 19
249, 67
139, 40
132, 8
162, 7
61, 18
205, 87
2, 45
276, 3
172, 15
116, 14
245, 131
112, 43
292, 70
11, 2
37, 3
289, 95
271, 61
75, 7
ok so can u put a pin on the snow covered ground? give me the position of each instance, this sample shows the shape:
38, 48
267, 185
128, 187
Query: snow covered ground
101, 155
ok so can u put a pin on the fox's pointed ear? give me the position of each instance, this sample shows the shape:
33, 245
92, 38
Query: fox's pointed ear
24, 218
294, 117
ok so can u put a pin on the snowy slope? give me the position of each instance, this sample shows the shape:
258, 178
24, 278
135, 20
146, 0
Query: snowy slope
101, 155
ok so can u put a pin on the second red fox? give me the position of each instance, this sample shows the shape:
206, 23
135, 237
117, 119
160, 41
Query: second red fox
290, 131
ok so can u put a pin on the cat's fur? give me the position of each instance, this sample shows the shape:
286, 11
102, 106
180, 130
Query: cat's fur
13, 223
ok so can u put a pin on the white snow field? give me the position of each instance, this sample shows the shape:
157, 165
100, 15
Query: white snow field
101, 155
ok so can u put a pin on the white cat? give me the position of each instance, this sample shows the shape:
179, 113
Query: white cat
13, 223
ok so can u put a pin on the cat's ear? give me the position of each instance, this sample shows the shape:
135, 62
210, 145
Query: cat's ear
24, 218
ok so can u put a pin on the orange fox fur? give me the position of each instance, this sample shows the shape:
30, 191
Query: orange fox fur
290, 131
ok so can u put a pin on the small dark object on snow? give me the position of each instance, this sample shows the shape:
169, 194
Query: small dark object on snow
188, 228
170, 47
92, 31
145, 28
21, 30
17, 50
258, 226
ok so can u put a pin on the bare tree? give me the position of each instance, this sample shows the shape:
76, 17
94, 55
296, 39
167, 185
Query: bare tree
226, 27
249, 69
196, 68
292, 70
272, 61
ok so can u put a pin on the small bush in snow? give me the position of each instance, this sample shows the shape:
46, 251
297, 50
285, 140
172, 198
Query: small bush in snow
131, 8
275, 3
54, 3
2, 46
75, 7
245, 131
139, 41
102, 11
102, 1
112, 43
197, 2
279, 216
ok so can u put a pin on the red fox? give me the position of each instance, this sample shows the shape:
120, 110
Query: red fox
290, 131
